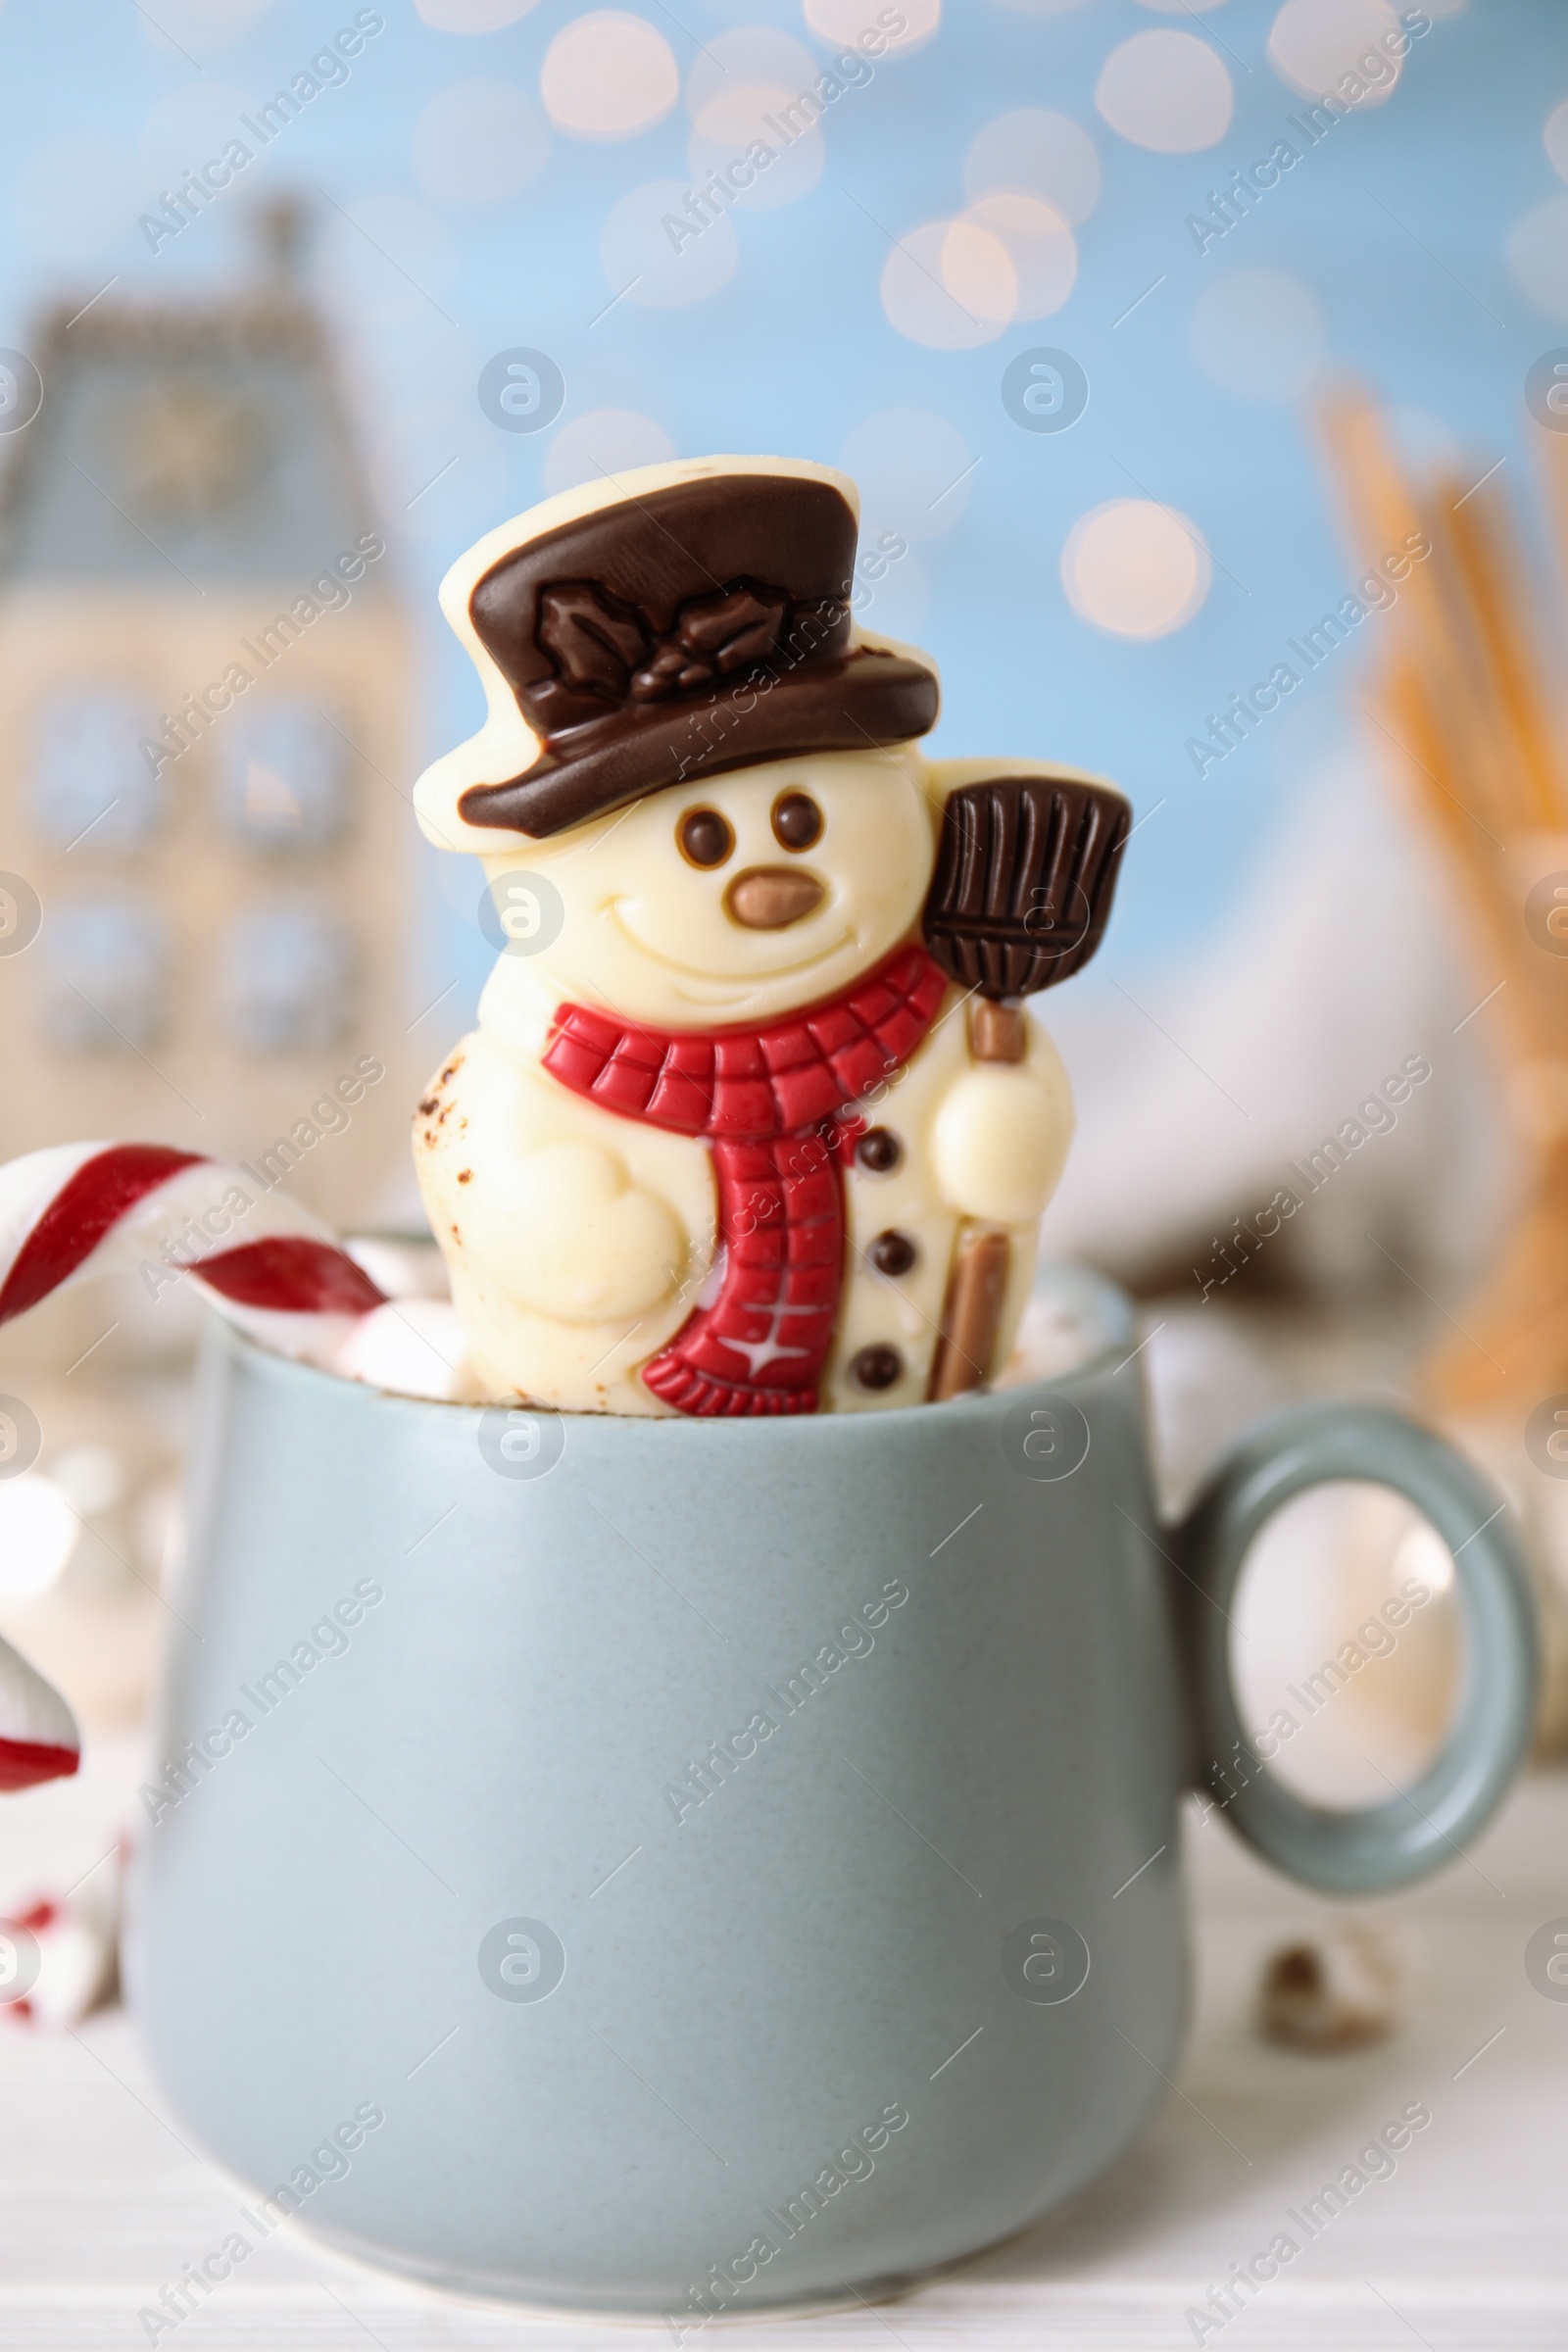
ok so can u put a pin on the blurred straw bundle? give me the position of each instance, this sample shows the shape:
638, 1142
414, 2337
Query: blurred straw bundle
1464, 707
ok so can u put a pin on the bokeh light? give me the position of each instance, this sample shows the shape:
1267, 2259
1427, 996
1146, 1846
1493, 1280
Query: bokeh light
604, 442
1042, 153
185, 127
385, 257
75, 197
1537, 253
192, 28
950, 284
479, 142
1258, 333
756, 86
914, 473
472, 16
660, 255
1134, 569
608, 76
1316, 43
846, 22
1166, 90
1039, 244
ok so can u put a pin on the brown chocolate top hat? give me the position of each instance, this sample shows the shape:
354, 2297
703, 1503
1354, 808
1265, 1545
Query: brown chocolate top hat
694, 620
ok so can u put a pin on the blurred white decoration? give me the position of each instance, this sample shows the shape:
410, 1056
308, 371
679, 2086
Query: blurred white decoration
91, 779
1166, 90
90, 1477
950, 284
1554, 138
186, 126
479, 142
914, 472
658, 266
600, 444
283, 780
385, 257
1316, 43
1537, 253
199, 27
66, 1950
413, 1346
1183, 7
608, 75
399, 1269
38, 1531
1135, 568
440, 472
848, 22
1195, 1084
105, 967
1044, 154
77, 198
288, 977
1258, 333
1072, 1314
1336, 1990
1039, 244
472, 16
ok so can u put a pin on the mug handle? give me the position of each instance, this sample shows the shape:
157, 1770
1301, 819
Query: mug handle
1381, 1846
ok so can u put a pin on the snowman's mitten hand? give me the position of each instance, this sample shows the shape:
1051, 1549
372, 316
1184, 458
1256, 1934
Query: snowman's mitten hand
566, 1233
1000, 1136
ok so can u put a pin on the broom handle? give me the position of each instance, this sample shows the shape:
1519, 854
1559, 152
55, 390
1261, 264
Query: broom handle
971, 1313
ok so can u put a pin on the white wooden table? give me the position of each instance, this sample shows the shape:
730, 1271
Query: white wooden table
1466, 2247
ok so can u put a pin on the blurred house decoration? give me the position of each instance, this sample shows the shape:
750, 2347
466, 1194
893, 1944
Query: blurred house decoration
205, 697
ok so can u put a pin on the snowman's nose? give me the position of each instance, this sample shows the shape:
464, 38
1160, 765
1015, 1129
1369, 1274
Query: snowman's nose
767, 897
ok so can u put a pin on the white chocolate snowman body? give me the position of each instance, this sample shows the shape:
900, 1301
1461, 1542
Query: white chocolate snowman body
580, 1239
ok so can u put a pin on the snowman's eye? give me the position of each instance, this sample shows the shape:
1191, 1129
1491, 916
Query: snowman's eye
797, 820
704, 837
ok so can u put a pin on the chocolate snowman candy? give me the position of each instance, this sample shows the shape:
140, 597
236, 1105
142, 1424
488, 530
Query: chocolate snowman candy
752, 1121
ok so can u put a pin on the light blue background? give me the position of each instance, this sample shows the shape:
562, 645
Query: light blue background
796, 350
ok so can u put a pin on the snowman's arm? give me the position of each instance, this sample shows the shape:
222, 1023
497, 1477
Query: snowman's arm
1001, 1135
553, 1223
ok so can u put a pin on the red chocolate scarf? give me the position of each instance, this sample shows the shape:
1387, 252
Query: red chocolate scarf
769, 1101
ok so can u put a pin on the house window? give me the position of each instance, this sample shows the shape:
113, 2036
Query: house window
283, 782
288, 976
105, 965
92, 782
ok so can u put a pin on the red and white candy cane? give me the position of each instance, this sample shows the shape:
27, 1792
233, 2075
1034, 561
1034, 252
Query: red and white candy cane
38, 1736
79, 1210
74, 1212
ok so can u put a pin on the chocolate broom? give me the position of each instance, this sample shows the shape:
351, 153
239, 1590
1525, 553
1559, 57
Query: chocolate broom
1025, 873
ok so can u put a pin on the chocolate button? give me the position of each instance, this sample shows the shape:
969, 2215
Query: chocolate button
892, 1252
879, 1150
876, 1367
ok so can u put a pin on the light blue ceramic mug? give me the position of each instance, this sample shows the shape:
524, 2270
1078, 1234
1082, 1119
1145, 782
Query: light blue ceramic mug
674, 1867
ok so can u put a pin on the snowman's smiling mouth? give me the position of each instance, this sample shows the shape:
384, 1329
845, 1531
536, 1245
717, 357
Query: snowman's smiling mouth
717, 986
